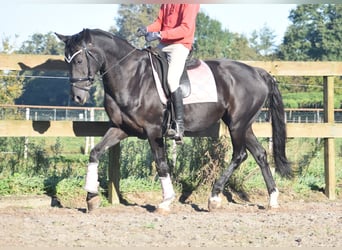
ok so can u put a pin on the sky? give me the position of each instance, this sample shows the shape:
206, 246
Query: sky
19, 20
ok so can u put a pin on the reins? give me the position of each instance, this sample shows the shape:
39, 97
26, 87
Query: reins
113, 66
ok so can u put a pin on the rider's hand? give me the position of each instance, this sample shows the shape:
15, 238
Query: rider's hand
142, 31
151, 36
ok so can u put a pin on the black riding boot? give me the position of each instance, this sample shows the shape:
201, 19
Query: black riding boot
177, 101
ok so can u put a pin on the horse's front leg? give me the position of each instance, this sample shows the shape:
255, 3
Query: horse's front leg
159, 152
168, 192
111, 138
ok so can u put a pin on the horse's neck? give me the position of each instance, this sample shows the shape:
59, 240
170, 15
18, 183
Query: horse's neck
117, 48
120, 69
116, 52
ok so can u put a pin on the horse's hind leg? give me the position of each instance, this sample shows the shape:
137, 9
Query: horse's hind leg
111, 138
260, 156
239, 155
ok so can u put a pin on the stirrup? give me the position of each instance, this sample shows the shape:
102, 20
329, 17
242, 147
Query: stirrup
178, 137
170, 133
173, 134
178, 140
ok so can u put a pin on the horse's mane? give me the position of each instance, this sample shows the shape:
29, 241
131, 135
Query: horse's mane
85, 34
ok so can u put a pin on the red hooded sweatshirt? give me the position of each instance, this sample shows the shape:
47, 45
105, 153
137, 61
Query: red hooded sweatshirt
176, 23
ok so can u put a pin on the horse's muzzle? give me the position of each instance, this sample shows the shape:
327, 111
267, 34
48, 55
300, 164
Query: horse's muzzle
79, 99
79, 96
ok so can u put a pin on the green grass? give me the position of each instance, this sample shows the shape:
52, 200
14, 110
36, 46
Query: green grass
64, 174
70, 145
133, 184
21, 184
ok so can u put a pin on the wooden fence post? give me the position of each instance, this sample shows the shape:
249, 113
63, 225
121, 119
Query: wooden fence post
329, 143
114, 175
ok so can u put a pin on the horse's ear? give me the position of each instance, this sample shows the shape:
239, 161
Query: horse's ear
62, 38
86, 35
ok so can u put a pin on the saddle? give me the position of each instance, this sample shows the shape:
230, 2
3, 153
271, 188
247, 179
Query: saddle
161, 65
159, 59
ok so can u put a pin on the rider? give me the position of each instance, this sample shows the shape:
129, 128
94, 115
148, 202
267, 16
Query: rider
175, 28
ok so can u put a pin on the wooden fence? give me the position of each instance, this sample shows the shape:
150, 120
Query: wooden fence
327, 130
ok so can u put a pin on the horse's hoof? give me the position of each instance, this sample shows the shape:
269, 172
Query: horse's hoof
214, 203
164, 207
163, 210
93, 203
273, 206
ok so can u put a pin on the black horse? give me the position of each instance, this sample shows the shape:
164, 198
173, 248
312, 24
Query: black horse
134, 108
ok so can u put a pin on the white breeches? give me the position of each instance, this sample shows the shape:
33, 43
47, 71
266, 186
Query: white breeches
176, 56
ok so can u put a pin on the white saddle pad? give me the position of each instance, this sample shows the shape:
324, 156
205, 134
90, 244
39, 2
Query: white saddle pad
203, 86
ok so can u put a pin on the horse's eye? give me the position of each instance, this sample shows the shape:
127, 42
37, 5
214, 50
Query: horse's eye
79, 61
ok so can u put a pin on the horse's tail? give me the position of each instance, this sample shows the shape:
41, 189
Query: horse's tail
276, 108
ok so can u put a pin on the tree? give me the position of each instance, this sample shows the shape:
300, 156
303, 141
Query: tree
315, 33
131, 17
8, 46
10, 83
10, 87
42, 44
240, 49
262, 41
210, 40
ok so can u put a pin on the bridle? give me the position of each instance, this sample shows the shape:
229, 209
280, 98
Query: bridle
90, 78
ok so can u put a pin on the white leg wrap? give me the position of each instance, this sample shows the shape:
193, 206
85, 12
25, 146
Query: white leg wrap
214, 202
274, 199
216, 199
168, 192
92, 183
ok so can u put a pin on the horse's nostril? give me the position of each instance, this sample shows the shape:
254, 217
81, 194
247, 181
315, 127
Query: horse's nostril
77, 99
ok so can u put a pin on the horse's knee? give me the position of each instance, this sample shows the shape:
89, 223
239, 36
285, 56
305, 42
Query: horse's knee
94, 155
239, 158
163, 169
244, 156
236, 161
261, 158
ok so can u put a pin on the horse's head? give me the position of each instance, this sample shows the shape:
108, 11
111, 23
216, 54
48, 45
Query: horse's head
84, 62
